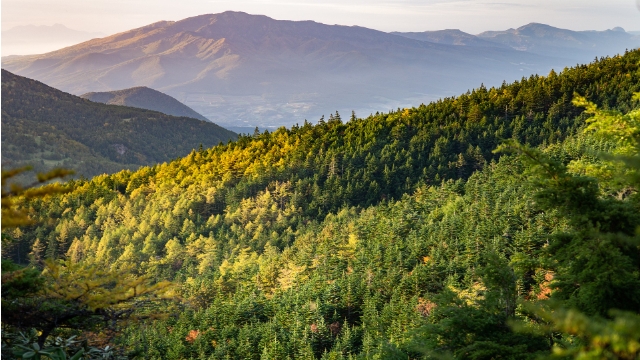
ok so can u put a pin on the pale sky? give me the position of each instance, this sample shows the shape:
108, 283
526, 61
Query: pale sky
473, 16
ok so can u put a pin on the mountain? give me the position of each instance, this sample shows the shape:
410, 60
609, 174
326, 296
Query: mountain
580, 46
32, 39
450, 37
47, 128
378, 238
144, 98
577, 46
247, 70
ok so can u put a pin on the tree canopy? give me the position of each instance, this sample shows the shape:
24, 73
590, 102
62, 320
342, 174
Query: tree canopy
402, 235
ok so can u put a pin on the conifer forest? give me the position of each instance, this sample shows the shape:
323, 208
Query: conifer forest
502, 223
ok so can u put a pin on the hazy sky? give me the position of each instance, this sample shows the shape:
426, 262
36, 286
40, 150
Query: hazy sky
474, 16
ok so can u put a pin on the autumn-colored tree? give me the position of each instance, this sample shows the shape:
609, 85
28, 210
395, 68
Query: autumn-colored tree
64, 295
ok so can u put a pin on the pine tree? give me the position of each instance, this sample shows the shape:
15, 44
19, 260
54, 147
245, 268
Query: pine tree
37, 253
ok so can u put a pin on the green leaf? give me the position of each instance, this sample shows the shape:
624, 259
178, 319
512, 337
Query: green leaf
28, 354
77, 355
58, 354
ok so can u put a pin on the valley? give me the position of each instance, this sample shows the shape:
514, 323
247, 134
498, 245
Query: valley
242, 70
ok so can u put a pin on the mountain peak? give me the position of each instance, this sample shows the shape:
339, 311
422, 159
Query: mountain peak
92, 138
144, 98
543, 30
535, 25
449, 37
549, 40
246, 70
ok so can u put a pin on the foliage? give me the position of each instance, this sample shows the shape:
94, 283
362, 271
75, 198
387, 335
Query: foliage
47, 128
12, 193
25, 346
65, 295
584, 337
596, 263
77, 296
400, 235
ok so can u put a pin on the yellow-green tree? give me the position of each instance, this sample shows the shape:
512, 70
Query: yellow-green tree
64, 294
595, 296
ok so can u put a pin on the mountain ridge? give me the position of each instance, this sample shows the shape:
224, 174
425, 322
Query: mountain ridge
144, 98
47, 128
449, 36
246, 70
552, 41
538, 38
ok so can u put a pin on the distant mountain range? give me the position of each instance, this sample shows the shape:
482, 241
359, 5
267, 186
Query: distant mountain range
32, 39
577, 46
248, 70
450, 37
47, 128
144, 98
581, 46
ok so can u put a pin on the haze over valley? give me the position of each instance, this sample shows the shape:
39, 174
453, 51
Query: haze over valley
242, 71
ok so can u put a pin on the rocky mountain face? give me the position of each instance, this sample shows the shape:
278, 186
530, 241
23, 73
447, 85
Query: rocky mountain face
144, 98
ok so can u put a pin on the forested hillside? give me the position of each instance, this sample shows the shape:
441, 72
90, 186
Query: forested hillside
144, 98
46, 128
402, 235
